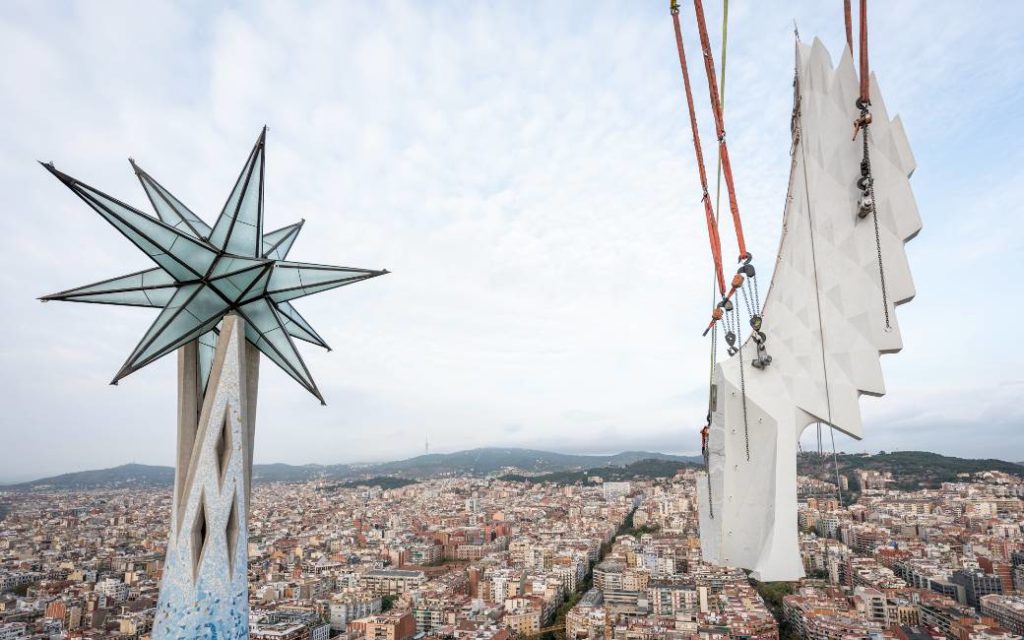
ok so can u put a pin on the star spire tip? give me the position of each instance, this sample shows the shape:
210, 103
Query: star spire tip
60, 175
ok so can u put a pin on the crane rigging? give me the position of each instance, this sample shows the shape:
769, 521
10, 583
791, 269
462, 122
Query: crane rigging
745, 278
827, 342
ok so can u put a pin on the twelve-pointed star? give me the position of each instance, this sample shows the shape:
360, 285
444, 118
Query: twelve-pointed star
204, 273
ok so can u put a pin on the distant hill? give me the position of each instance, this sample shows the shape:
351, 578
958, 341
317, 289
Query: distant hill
127, 475
140, 475
281, 472
910, 469
640, 470
493, 460
477, 462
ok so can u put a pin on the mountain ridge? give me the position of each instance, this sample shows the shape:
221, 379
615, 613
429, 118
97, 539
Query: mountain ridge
480, 461
910, 469
926, 467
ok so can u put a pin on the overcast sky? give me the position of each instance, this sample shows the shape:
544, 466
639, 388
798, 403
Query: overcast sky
525, 170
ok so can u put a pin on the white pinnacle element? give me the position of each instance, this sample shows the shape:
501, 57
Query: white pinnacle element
824, 317
204, 589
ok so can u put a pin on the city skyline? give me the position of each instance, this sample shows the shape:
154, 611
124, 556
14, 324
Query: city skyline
540, 214
460, 558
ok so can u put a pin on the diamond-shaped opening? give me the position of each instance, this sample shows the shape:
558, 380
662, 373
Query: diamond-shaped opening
231, 533
223, 447
199, 535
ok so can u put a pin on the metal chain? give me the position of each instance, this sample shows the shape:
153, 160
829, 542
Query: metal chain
874, 217
718, 192
746, 299
714, 358
743, 388
711, 503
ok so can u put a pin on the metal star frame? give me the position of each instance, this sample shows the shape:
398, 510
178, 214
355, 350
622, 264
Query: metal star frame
204, 273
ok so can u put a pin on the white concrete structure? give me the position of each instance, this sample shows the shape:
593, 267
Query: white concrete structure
824, 318
113, 588
205, 587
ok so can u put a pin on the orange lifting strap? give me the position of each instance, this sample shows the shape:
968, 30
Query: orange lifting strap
848, 17
865, 77
716, 244
716, 108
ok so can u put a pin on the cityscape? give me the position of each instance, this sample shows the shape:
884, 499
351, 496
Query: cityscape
539, 425
516, 554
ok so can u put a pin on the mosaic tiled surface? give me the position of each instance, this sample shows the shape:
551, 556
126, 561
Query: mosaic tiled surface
204, 590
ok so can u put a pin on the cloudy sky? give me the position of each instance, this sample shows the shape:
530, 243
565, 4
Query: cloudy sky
525, 170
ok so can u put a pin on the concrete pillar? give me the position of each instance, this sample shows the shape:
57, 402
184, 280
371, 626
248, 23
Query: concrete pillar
204, 591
